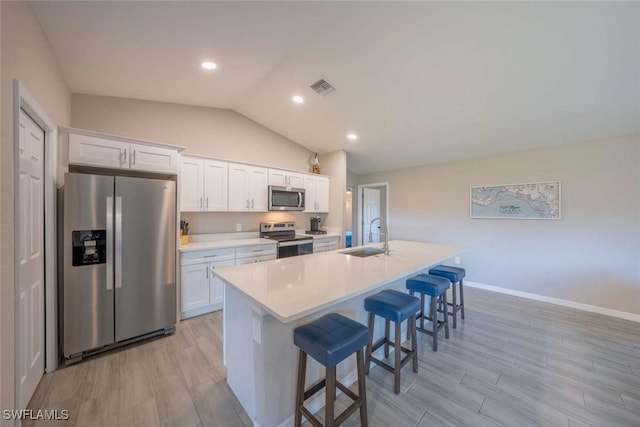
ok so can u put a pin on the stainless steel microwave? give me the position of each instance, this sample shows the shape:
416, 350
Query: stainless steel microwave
286, 198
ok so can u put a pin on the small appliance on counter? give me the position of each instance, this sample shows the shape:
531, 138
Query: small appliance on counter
289, 244
315, 226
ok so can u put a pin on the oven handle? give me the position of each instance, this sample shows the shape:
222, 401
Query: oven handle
295, 243
299, 199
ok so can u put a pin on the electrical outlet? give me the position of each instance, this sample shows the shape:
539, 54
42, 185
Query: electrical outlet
238, 227
456, 260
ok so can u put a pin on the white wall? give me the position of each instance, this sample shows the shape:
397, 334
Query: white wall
26, 56
591, 255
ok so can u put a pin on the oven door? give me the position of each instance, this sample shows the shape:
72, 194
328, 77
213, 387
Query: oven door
286, 199
295, 248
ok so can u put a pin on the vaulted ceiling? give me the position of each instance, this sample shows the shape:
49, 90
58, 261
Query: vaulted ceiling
419, 82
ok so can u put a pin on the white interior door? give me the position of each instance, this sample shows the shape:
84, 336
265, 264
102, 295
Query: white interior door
31, 254
370, 211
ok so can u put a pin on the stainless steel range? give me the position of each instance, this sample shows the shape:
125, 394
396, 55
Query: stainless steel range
289, 244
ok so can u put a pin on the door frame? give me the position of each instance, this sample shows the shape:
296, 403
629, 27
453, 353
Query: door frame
361, 187
23, 100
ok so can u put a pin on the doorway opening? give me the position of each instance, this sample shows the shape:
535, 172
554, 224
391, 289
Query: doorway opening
373, 212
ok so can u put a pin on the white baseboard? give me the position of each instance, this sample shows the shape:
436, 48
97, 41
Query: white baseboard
317, 402
557, 301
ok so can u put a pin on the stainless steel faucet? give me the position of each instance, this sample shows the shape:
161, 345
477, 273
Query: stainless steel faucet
386, 234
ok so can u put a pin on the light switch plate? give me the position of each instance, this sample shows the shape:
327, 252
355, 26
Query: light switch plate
456, 260
238, 227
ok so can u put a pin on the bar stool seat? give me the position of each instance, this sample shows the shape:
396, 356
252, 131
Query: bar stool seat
436, 288
393, 306
330, 340
456, 276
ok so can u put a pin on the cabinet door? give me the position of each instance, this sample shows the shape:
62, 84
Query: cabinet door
216, 185
258, 189
238, 194
277, 177
310, 204
215, 283
322, 194
295, 180
89, 150
191, 179
153, 159
195, 286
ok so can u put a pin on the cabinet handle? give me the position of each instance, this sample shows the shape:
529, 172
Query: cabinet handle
134, 157
247, 203
200, 201
124, 157
251, 203
207, 272
207, 202
209, 256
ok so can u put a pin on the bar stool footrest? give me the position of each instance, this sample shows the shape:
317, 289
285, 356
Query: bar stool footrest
342, 417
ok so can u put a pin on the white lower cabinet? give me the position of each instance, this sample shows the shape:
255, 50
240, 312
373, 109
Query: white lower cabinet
325, 244
201, 290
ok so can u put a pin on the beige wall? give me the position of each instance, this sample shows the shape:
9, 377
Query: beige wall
214, 132
591, 255
25, 56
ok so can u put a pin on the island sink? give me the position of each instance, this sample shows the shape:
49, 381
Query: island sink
364, 252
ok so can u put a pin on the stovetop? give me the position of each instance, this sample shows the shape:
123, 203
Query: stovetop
285, 238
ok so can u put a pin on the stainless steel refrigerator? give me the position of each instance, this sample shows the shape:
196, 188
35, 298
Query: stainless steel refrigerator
119, 269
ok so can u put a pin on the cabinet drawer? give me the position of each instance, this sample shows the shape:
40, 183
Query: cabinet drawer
254, 251
329, 242
251, 260
195, 257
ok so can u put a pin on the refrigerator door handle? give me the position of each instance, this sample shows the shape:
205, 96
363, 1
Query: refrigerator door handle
109, 243
118, 251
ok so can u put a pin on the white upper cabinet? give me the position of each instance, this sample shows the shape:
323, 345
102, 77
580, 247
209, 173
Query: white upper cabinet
203, 185
216, 186
112, 153
92, 151
285, 178
152, 159
248, 187
322, 194
191, 184
316, 193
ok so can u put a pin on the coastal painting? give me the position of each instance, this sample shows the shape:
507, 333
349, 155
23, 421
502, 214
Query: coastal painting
538, 200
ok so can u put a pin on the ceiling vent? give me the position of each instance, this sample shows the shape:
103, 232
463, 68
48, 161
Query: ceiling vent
323, 87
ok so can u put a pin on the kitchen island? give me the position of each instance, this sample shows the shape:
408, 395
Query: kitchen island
265, 302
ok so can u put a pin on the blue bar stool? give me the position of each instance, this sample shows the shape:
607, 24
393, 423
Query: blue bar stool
393, 306
330, 340
455, 275
436, 287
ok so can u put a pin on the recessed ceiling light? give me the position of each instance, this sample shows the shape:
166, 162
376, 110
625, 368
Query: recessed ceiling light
208, 65
352, 136
297, 99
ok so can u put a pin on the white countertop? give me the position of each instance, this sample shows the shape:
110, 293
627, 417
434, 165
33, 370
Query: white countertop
221, 244
291, 288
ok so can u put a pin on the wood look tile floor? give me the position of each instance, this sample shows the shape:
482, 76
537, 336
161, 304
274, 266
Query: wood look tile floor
512, 362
